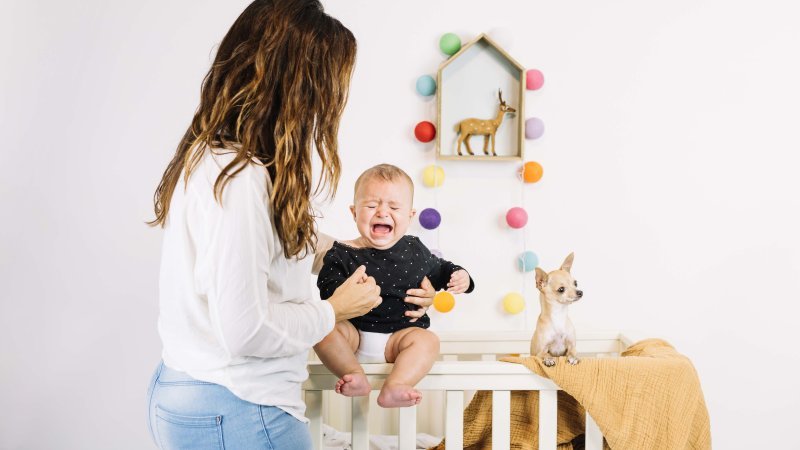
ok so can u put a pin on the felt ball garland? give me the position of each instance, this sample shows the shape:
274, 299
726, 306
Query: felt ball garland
517, 217
531, 172
444, 301
534, 79
450, 44
433, 175
513, 303
426, 85
527, 261
425, 131
430, 218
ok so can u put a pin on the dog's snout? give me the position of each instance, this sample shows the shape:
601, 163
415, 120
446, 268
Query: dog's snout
580, 293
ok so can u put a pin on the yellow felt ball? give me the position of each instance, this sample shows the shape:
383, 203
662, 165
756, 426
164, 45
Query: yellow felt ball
433, 176
513, 303
444, 301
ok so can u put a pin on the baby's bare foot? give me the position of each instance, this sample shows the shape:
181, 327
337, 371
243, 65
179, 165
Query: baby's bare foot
398, 395
353, 385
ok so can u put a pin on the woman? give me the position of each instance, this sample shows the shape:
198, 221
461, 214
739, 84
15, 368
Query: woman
237, 316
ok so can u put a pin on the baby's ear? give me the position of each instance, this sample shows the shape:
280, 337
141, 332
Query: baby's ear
413, 213
541, 278
353, 211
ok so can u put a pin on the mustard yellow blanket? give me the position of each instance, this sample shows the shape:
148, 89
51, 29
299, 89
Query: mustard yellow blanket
650, 398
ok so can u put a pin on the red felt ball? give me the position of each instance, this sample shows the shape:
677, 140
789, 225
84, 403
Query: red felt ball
425, 131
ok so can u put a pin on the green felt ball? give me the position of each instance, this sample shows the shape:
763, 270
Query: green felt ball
450, 44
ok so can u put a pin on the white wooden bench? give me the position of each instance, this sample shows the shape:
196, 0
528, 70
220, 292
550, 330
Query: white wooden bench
468, 364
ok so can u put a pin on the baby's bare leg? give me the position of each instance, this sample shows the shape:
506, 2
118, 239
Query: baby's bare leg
337, 352
413, 351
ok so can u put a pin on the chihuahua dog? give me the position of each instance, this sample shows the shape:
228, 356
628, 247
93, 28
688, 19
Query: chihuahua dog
555, 334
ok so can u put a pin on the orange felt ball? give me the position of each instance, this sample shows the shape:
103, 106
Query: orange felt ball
532, 172
444, 301
425, 131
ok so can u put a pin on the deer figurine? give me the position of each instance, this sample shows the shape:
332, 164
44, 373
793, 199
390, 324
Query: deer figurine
486, 128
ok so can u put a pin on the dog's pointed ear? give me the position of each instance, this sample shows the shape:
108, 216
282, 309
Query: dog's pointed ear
567, 264
541, 278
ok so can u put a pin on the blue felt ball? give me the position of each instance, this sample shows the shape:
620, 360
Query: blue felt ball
426, 85
527, 261
430, 218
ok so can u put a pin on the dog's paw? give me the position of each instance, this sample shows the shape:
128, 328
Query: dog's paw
549, 362
573, 360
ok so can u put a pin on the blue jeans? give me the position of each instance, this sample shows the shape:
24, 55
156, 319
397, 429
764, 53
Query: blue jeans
185, 413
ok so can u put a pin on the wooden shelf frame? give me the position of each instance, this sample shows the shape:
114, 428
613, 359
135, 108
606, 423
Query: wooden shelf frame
518, 102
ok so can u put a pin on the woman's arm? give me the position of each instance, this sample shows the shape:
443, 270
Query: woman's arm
233, 272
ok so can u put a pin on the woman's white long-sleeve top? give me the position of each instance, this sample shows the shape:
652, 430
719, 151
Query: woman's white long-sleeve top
233, 309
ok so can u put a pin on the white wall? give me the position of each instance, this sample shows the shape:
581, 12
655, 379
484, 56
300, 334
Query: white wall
670, 154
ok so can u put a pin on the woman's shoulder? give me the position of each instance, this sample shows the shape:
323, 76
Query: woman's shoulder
221, 158
246, 174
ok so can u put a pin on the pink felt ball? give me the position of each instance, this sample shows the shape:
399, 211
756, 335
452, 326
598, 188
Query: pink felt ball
516, 217
533, 80
425, 131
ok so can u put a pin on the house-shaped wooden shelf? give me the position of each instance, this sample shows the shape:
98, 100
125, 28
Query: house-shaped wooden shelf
468, 83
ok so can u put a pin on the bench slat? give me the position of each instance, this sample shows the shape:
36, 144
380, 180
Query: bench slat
454, 421
501, 420
548, 420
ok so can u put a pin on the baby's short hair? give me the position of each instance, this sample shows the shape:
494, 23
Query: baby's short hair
386, 172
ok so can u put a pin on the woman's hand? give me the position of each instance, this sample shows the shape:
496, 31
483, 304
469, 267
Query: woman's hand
422, 297
356, 296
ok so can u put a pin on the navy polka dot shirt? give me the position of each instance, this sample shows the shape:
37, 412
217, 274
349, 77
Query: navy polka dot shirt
396, 270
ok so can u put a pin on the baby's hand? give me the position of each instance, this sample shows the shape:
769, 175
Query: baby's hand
459, 282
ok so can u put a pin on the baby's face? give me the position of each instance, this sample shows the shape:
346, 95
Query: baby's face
382, 211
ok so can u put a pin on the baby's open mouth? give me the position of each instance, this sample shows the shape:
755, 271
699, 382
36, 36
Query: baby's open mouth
381, 228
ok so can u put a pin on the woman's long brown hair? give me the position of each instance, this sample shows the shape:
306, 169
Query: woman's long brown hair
278, 84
